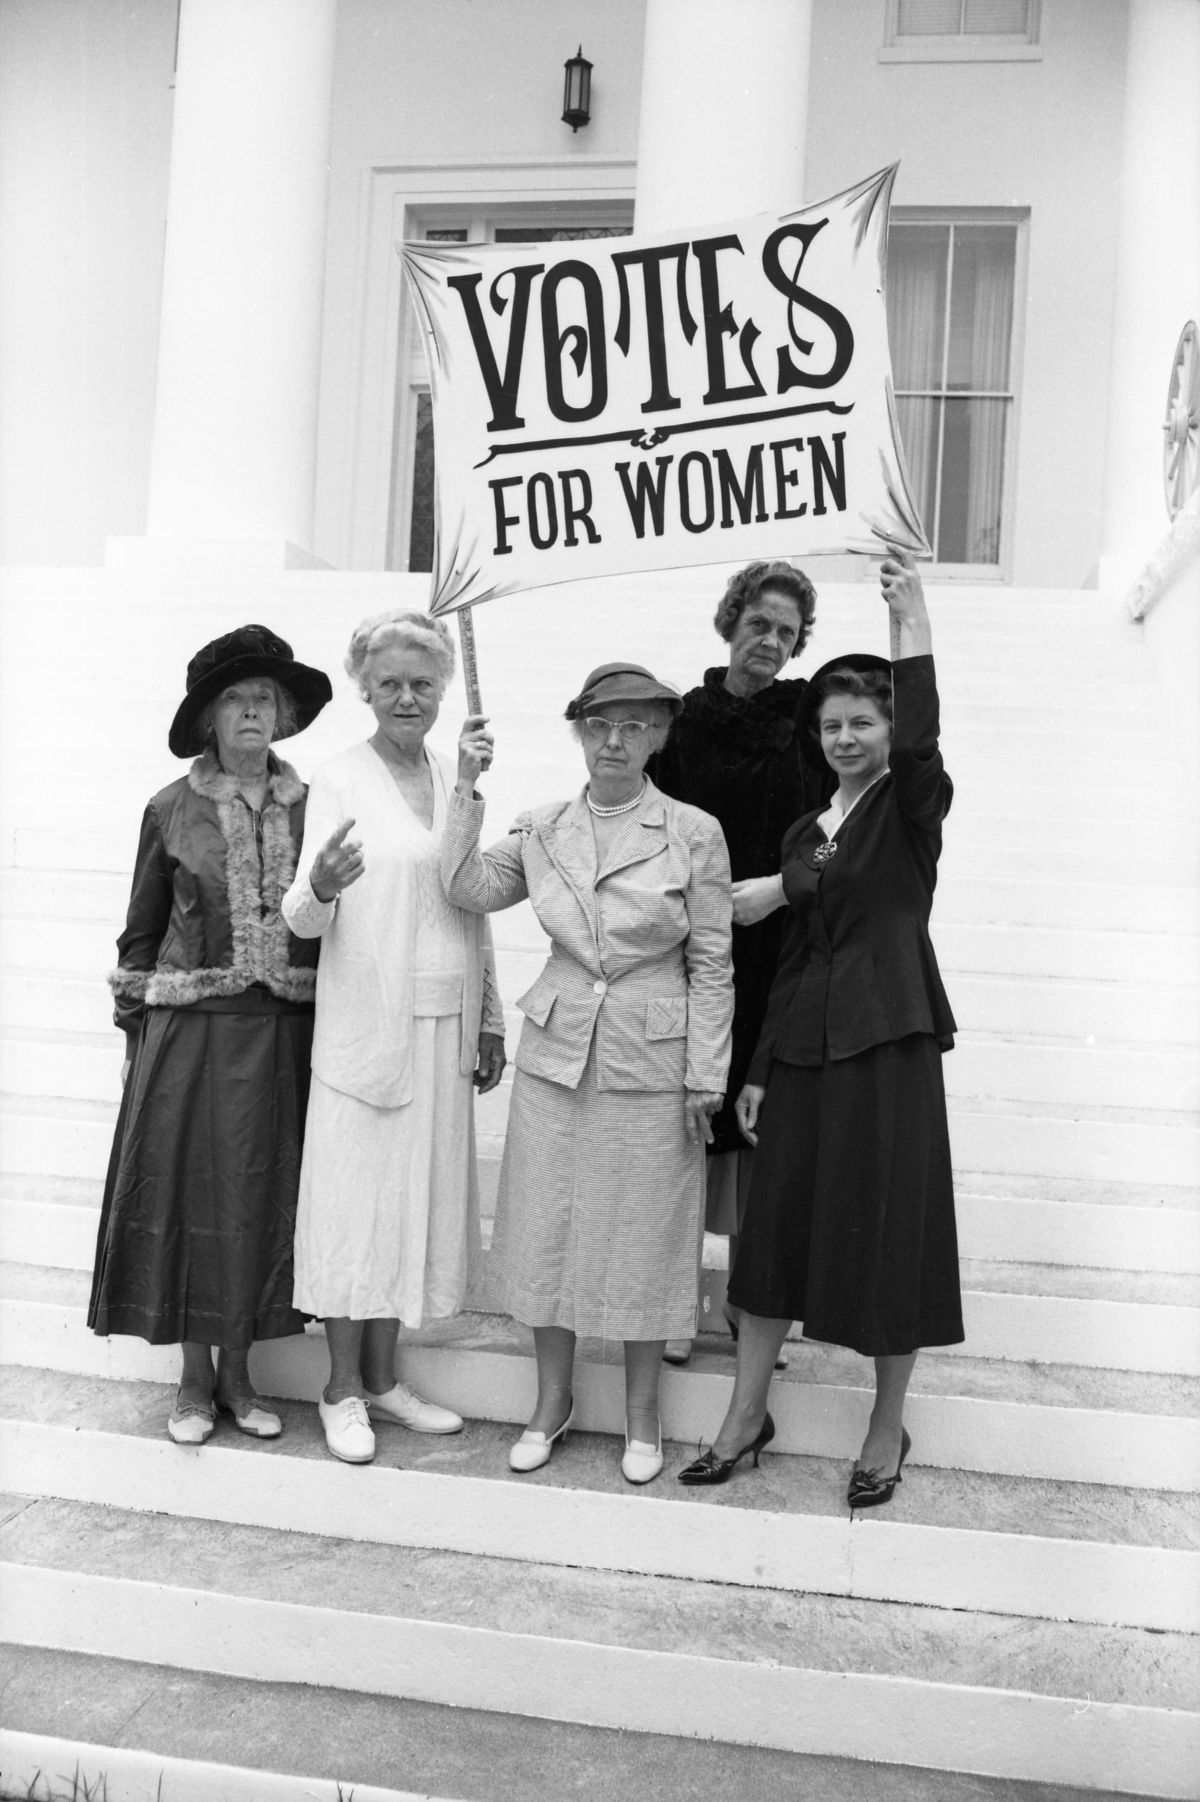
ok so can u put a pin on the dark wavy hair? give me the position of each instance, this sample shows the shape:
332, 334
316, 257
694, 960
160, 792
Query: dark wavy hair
749, 583
869, 684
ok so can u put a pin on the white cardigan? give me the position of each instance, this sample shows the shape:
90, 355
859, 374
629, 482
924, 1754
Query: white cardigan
363, 1038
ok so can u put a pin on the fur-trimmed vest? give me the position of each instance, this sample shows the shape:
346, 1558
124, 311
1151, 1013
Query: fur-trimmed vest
204, 917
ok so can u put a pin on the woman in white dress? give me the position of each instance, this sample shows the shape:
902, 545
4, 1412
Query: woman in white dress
408, 1019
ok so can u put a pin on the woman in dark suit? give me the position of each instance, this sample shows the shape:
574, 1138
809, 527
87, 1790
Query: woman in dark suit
850, 1220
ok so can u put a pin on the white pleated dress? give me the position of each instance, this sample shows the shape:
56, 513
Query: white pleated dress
387, 1223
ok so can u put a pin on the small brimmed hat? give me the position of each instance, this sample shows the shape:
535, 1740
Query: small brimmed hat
247, 651
814, 694
622, 682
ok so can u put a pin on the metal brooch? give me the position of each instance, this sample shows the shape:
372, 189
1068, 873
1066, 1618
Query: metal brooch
822, 853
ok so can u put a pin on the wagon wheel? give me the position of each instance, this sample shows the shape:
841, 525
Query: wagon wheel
1181, 427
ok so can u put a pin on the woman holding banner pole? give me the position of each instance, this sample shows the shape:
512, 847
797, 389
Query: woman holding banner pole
734, 752
622, 1058
408, 1021
849, 1224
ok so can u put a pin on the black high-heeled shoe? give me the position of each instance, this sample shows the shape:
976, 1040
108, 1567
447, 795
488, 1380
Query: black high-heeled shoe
867, 1489
708, 1468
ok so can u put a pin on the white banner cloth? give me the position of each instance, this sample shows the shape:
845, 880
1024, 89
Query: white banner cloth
646, 402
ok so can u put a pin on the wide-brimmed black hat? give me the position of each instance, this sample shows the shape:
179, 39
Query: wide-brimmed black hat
814, 694
621, 682
247, 651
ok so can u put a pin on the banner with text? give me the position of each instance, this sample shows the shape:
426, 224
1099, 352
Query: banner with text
620, 404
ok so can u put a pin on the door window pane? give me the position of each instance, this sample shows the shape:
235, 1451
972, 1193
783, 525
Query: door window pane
420, 529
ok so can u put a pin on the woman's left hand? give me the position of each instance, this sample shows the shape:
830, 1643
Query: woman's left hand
490, 1063
905, 597
699, 1106
755, 897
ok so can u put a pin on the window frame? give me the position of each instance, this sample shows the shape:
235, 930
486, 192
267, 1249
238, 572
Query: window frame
1018, 217
360, 370
961, 47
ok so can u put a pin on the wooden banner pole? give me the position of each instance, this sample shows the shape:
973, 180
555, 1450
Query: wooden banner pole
466, 639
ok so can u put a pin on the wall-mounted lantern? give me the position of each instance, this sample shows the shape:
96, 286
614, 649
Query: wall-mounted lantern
577, 90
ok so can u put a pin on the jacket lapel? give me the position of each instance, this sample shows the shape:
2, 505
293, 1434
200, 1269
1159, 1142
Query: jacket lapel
645, 835
571, 847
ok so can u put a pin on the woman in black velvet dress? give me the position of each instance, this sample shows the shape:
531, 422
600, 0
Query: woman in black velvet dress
734, 752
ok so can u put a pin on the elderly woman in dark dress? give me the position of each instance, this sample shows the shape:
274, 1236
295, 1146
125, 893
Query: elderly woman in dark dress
735, 753
215, 997
850, 1220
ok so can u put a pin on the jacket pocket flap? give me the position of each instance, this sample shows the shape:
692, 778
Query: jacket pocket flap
536, 1003
666, 1017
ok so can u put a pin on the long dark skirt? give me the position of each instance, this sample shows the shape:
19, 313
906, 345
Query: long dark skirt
850, 1220
199, 1207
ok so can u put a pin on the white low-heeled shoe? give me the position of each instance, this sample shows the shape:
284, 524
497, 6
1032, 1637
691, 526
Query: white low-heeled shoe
191, 1424
405, 1408
532, 1450
258, 1422
347, 1430
641, 1462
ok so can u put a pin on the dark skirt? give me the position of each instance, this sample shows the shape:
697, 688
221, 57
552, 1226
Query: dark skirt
849, 1225
199, 1209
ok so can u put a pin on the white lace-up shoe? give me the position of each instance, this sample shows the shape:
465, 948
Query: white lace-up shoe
347, 1430
405, 1408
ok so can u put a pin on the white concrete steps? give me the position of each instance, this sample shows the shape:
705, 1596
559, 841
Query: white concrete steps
1106, 1144
122, 1774
1003, 1413
296, 1741
84, 1065
1001, 1545
1122, 1013
1069, 1221
1063, 1700
1037, 1067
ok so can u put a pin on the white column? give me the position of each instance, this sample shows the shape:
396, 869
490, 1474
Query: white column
1157, 273
724, 110
234, 450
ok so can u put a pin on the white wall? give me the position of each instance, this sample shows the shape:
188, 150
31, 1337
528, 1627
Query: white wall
85, 121
432, 84
1043, 135
85, 106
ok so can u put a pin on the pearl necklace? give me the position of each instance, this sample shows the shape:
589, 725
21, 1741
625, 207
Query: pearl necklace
606, 813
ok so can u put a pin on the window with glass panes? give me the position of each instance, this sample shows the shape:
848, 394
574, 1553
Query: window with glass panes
964, 18
411, 536
950, 293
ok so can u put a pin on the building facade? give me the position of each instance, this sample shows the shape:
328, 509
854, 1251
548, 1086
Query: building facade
202, 202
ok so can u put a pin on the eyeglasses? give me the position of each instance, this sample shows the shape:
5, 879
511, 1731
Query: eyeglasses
597, 728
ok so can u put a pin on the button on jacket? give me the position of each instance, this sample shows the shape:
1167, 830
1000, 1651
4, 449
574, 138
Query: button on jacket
640, 951
858, 966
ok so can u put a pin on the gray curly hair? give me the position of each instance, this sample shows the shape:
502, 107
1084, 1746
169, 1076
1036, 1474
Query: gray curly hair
398, 625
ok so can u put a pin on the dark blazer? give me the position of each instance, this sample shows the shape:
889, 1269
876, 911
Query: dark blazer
858, 967
204, 919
